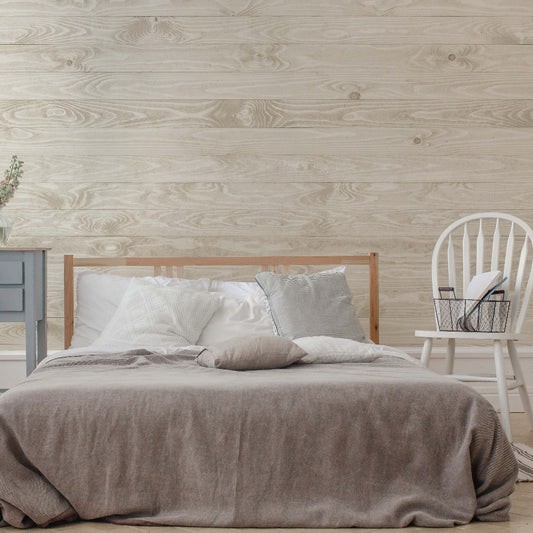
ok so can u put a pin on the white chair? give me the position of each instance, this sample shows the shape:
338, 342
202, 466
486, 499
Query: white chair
491, 247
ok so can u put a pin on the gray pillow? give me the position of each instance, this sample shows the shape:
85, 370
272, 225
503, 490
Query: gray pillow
307, 305
251, 353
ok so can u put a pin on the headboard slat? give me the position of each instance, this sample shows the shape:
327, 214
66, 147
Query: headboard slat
371, 260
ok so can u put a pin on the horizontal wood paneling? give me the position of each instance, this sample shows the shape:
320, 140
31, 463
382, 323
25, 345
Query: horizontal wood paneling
228, 244
165, 31
303, 200
264, 113
377, 141
244, 221
237, 167
259, 57
271, 85
231, 8
246, 127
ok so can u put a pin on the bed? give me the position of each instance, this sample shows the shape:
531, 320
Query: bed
324, 431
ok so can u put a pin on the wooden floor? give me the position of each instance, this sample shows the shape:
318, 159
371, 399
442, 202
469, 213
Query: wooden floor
521, 512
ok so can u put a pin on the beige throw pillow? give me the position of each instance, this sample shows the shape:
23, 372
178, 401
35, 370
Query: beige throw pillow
251, 353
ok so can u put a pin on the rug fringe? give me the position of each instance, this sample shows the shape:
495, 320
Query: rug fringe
524, 458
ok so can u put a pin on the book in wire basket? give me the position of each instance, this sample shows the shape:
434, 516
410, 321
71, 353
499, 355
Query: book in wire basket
461, 314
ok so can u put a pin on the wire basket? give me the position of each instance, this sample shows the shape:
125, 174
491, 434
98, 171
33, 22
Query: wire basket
486, 316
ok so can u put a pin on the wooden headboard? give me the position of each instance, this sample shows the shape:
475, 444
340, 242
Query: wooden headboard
173, 266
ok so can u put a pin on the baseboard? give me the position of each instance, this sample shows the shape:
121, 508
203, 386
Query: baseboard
12, 367
12, 355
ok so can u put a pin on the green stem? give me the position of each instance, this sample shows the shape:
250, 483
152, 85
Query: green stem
13, 161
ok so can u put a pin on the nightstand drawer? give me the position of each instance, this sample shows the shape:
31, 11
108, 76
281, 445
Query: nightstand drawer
23, 297
11, 299
11, 273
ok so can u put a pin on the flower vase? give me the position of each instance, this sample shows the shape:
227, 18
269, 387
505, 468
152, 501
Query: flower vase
5, 229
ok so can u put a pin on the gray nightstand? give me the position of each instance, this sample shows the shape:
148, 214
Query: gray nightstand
23, 297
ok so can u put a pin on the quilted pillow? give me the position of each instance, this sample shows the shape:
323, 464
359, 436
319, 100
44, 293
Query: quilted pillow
251, 353
306, 305
150, 315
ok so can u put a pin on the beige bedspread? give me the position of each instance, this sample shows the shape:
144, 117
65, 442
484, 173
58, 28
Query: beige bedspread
148, 439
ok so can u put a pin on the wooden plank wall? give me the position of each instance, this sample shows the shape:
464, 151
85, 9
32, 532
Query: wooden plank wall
225, 127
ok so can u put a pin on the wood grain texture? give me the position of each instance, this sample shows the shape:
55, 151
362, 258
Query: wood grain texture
232, 8
259, 57
265, 127
293, 222
228, 244
326, 86
303, 201
443, 141
249, 167
263, 113
159, 31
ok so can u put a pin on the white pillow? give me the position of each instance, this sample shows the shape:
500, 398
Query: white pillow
323, 349
98, 296
151, 315
244, 311
235, 288
244, 288
237, 317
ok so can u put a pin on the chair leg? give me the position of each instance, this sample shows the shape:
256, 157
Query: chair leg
519, 376
450, 355
502, 388
426, 351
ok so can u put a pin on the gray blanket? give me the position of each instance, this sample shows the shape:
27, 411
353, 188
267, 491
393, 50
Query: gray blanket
140, 438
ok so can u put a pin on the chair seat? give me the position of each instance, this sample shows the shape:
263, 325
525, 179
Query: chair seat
473, 335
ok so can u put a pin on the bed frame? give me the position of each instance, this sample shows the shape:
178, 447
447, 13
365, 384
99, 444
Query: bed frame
173, 266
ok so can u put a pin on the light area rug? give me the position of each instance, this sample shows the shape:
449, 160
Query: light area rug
524, 457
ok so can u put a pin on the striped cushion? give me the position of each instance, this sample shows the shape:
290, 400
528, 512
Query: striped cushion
306, 305
156, 315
